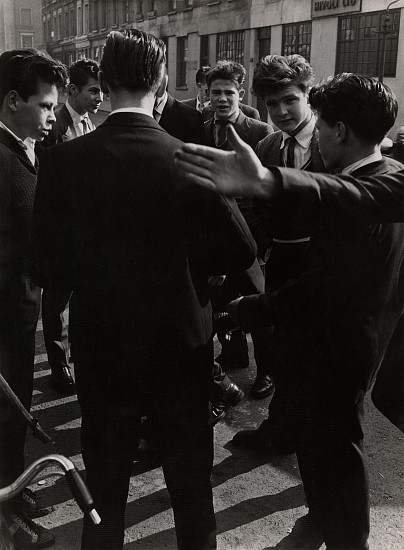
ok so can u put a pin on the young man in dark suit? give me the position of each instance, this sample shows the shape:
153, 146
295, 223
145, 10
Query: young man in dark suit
29, 83
178, 119
283, 83
135, 243
338, 316
201, 100
72, 121
225, 86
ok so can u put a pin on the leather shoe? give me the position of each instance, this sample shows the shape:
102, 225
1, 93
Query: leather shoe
62, 379
230, 398
259, 440
262, 387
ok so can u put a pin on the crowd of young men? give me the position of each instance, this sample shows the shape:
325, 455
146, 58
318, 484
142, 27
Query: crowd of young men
136, 243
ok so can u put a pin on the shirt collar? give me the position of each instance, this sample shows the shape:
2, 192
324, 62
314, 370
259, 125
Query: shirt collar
161, 103
233, 118
305, 135
200, 106
76, 118
374, 157
138, 110
19, 140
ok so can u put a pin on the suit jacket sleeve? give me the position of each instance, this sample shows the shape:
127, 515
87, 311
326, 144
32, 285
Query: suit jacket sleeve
231, 246
377, 199
52, 263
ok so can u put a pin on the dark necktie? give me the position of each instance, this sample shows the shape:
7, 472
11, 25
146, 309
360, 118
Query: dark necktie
290, 153
84, 123
222, 133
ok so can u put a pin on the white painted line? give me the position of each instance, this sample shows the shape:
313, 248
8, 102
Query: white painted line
55, 403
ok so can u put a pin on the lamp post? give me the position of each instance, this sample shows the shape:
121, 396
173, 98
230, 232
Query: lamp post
384, 31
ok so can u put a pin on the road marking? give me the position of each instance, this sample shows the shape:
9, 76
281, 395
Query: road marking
55, 403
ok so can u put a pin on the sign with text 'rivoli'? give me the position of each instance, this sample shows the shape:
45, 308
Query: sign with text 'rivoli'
329, 8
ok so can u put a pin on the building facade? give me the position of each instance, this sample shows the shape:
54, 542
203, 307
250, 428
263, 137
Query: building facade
20, 24
335, 35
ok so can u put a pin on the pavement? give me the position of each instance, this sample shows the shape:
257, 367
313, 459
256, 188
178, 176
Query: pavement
259, 500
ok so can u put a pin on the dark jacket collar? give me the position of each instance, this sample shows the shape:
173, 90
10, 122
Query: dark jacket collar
130, 119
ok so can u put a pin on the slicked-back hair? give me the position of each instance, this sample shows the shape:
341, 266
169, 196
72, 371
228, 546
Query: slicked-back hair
200, 77
22, 70
133, 60
81, 71
363, 103
226, 70
276, 72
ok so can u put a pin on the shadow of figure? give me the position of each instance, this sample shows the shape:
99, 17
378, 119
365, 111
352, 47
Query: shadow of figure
242, 513
303, 536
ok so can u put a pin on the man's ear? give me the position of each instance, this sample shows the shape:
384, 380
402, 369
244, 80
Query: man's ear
241, 93
12, 99
103, 85
163, 86
73, 90
341, 132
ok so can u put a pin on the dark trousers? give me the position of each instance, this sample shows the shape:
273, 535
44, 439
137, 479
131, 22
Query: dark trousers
332, 465
54, 303
19, 310
109, 393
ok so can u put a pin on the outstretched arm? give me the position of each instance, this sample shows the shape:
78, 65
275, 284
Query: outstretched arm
239, 172
233, 173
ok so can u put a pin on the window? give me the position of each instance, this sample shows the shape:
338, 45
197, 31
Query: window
182, 49
114, 12
204, 52
55, 26
296, 38
60, 25
79, 20
27, 40
359, 45
230, 46
172, 5
26, 17
104, 14
85, 19
72, 22
126, 13
165, 40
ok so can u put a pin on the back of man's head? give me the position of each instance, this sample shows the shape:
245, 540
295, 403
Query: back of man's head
133, 61
22, 71
275, 72
81, 71
200, 77
226, 70
362, 103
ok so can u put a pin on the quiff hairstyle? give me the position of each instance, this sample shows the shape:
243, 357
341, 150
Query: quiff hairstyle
226, 70
275, 72
22, 71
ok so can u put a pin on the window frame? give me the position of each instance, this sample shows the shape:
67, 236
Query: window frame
359, 60
301, 47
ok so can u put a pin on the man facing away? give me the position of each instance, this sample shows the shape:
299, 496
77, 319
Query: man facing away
72, 121
340, 312
135, 244
29, 83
